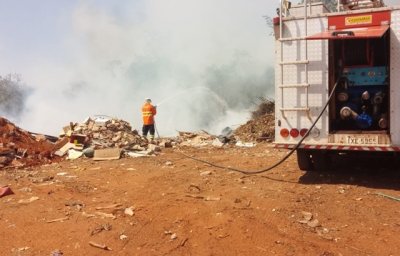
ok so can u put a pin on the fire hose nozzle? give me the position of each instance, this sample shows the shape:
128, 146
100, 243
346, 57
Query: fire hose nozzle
346, 113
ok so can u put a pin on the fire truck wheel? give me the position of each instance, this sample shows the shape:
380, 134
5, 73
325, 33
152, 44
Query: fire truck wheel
320, 161
304, 160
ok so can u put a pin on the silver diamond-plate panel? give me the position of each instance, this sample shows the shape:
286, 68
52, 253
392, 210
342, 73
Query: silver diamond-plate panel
395, 78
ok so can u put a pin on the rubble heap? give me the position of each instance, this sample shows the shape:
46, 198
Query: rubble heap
262, 125
20, 148
106, 133
104, 138
195, 139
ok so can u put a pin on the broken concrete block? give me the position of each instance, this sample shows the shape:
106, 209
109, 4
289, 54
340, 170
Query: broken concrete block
107, 154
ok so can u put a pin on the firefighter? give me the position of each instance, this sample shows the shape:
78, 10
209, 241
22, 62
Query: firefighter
148, 113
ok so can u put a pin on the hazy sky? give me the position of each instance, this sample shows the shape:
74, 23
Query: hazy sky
205, 61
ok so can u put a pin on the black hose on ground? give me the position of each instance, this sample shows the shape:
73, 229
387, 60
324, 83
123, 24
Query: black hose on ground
246, 172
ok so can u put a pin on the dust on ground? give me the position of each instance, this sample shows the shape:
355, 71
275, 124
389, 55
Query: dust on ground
172, 205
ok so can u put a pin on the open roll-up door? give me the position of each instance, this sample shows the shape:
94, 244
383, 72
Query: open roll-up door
351, 33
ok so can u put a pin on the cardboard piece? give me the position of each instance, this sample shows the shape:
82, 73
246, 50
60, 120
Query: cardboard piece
107, 154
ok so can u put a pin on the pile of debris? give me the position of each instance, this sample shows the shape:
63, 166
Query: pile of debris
262, 125
104, 138
203, 139
20, 148
195, 139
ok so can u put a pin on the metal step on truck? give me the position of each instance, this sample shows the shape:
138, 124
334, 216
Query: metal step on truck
341, 64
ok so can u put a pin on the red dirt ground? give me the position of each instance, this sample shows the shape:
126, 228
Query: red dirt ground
216, 213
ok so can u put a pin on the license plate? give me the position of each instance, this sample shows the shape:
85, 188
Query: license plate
357, 139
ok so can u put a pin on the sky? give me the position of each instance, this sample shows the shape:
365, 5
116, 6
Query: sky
205, 63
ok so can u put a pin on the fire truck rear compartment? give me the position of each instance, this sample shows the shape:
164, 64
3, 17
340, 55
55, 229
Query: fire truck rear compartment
361, 100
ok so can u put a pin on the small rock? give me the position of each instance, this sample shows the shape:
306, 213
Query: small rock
313, 223
123, 237
88, 152
129, 211
307, 215
169, 163
173, 236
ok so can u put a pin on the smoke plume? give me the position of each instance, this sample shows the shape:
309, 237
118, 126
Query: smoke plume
12, 96
204, 62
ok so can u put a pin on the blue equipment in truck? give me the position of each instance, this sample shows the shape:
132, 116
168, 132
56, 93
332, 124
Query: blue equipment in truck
366, 76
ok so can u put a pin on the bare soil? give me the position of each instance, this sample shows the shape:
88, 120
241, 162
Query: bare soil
183, 207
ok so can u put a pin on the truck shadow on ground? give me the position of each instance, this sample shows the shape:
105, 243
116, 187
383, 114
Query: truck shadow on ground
366, 172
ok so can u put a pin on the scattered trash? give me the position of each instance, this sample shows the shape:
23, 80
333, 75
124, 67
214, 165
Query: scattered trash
184, 242
5, 191
106, 215
58, 220
87, 215
100, 228
100, 246
211, 198
138, 154
27, 201
25, 189
245, 144
77, 204
74, 154
56, 253
205, 173
109, 206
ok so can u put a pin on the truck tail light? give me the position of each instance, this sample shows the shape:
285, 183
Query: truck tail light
303, 132
294, 133
284, 132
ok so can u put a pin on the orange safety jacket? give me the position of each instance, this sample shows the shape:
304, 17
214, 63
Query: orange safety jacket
148, 113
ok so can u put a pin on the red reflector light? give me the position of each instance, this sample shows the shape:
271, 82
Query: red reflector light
294, 133
303, 132
284, 133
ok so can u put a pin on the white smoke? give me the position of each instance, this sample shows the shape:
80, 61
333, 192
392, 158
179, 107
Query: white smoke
205, 61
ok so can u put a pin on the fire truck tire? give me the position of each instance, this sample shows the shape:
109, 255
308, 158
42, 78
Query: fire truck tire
320, 161
304, 160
